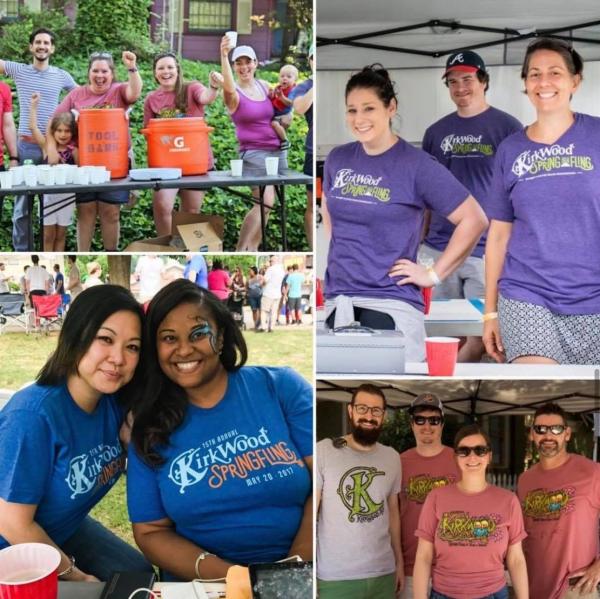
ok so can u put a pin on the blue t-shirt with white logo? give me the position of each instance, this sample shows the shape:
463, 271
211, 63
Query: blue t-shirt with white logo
234, 481
55, 455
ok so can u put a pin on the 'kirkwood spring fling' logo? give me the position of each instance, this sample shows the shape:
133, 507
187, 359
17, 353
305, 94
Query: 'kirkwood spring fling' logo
552, 158
465, 144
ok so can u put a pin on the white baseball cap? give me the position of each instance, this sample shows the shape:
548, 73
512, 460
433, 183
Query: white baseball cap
243, 51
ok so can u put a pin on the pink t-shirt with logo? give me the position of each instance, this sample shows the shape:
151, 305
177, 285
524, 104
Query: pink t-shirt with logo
420, 475
471, 534
561, 508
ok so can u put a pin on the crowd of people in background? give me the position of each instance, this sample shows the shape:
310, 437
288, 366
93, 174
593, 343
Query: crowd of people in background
47, 131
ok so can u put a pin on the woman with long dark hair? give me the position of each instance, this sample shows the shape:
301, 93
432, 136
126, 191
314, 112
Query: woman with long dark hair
220, 462
177, 98
60, 451
375, 193
469, 531
542, 271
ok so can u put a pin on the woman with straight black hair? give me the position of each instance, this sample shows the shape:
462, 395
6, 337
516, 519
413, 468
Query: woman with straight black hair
375, 193
60, 451
221, 454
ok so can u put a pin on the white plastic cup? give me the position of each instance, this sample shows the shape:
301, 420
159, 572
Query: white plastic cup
97, 175
60, 175
232, 37
30, 175
6, 179
50, 176
237, 168
17, 177
82, 177
272, 165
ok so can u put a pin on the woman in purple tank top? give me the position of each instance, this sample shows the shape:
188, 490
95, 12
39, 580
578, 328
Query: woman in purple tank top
251, 111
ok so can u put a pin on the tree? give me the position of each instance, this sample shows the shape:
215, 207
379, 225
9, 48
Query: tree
119, 268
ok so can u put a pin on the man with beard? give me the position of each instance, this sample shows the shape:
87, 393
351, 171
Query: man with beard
465, 142
560, 497
358, 521
428, 465
48, 81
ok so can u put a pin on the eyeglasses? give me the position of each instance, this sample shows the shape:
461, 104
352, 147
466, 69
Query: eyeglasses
362, 409
433, 420
462, 451
542, 429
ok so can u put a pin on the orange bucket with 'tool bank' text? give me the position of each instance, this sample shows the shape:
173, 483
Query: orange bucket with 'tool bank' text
103, 135
179, 143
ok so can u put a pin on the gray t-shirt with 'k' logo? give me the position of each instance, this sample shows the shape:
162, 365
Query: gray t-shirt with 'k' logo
353, 537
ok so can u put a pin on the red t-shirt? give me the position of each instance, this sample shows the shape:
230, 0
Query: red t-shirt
420, 475
471, 535
218, 283
278, 105
561, 508
5, 105
83, 97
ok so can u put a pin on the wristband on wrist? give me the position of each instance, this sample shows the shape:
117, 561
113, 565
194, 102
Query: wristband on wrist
433, 275
69, 569
489, 316
132, 70
14, 158
202, 556
214, 87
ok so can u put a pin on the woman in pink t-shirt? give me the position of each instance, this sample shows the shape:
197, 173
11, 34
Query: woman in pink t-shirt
102, 91
469, 530
219, 281
177, 98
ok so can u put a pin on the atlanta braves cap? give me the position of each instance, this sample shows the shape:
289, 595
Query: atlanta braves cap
465, 61
426, 400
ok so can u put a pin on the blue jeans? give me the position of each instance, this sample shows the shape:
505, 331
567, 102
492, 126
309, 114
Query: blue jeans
21, 226
501, 594
99, 552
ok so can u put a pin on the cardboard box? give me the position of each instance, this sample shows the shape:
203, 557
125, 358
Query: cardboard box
199, 232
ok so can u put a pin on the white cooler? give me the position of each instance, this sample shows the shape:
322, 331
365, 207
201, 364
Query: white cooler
360, 350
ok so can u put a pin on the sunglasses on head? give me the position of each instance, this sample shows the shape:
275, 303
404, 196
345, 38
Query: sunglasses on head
433, 420
555, 429
462, 451
362, 409
95, 55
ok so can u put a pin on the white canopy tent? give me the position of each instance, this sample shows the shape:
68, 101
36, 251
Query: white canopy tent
413, 40
477, 397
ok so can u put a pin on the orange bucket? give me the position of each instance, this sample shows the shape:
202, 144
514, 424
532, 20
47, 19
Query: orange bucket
179, 143
103, 135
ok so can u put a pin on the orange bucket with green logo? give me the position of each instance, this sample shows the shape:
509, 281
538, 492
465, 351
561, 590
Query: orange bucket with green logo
103, 135
179, 143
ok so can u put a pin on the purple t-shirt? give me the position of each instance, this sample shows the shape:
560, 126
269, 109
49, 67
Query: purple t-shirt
377, 205
467, 148
252, 120
551, 195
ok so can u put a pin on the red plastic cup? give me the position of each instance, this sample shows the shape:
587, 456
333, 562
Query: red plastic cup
441, 355
320, 300
29, 571
426, 292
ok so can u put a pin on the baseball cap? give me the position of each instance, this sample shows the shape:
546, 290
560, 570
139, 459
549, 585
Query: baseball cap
426, 400
465, 61
243, 51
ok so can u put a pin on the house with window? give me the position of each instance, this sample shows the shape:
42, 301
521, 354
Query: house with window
193, 28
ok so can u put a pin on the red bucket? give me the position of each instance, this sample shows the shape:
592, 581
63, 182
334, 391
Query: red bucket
103, 135
29, 571
179, 143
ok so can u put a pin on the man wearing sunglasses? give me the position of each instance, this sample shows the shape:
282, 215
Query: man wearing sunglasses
358, 521
48, 81
560, 497
427, 466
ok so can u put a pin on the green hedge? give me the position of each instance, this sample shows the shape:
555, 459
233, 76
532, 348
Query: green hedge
137, 223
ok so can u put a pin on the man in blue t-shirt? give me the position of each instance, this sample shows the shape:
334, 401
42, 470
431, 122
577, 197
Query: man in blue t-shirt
302, 100
295, 280
465, 142
196, 270
48, 81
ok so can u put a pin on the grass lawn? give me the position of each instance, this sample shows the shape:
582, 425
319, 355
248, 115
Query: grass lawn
24, 355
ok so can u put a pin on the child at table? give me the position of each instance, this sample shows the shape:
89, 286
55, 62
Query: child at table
288, 75
63, 129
